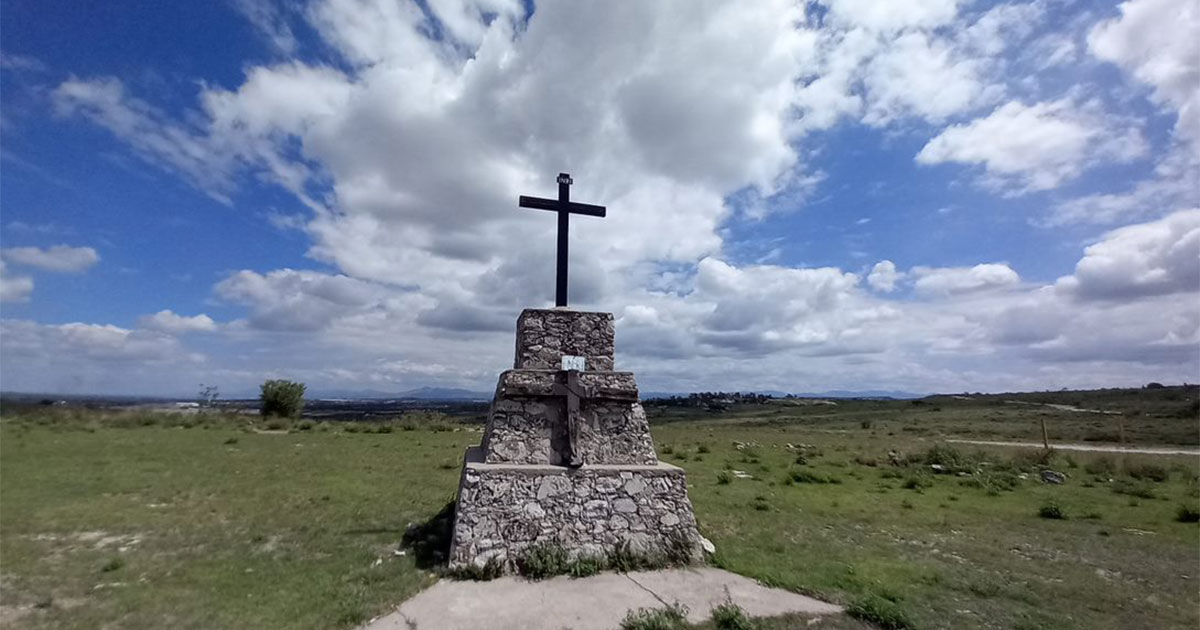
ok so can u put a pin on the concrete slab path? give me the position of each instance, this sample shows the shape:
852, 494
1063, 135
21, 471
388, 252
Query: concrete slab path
599, 602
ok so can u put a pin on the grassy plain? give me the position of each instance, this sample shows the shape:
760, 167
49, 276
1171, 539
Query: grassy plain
137, 521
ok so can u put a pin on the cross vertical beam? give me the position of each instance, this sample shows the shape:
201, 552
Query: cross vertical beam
564, 224
565, 208
573, 392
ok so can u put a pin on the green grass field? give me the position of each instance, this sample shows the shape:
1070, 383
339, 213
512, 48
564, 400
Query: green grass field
108, 523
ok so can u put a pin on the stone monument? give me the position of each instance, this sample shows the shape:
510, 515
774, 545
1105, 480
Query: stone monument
566, 458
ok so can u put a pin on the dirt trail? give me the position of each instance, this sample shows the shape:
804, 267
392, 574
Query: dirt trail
1133, 450
1063, 407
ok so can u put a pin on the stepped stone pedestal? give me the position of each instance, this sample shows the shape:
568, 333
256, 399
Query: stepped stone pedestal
567, 458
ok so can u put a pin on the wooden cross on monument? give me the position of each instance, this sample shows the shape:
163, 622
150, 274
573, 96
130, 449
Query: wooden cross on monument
572, 392
565, 208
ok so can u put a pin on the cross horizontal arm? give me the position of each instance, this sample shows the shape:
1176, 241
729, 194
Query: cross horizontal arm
554, 205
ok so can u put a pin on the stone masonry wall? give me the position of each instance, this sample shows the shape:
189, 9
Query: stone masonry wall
502, 510
531, 430
545, 335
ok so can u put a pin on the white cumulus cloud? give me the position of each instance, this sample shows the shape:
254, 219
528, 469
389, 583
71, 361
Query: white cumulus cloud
1155, 40
60, 258
1157, 258
957, 280
883, 276
14, 288
167, 321
1035, 147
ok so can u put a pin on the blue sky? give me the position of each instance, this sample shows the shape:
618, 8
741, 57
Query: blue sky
930, 196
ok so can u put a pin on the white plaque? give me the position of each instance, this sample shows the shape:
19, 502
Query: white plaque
571, 362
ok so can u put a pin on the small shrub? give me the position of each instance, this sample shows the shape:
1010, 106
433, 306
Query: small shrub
808, 476
993, 482
282, 398
1147, 472
673, 617
666, 449
278, 424
730, 616
231, 440
584, 566
881, 612
1034, 458
724, 478
917, 482
1187, 514
867, 424
703, 448
1133, 489
489, 571
625, 558
305, 425
949, 458
543, 561
112, 565
678, 551
1051, 511
906, 504
760, 504
801, 459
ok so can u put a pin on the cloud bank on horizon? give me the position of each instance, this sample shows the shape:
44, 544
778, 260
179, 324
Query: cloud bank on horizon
850, 194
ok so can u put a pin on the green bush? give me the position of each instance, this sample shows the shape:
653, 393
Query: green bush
992, 482
489, 571
543, 561
730, 616
583, 566
807, 476
672, 617
917, 482
881, 612
723, 478
949, 458
1147, 471
282, 398
1187, 515
1133, 489
1102, 465
1051, 510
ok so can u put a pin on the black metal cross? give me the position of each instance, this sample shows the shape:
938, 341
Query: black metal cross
565, 208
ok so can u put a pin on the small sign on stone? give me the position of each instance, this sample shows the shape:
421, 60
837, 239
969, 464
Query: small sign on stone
572, 362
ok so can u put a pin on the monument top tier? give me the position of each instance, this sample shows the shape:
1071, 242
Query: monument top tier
545, 335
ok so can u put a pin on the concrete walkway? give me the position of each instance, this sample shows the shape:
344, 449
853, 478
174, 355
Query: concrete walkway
1132, 450
593, 603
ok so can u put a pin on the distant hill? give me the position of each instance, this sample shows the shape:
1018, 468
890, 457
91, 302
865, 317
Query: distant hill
869, 393
837, 393
443, 393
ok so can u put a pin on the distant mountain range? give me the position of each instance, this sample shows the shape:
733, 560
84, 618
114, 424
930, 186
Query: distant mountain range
451, 393
444, 393
837, 393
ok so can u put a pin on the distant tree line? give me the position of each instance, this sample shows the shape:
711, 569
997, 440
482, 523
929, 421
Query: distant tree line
714, 400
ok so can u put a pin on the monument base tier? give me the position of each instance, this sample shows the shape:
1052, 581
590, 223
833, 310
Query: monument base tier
505, 509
